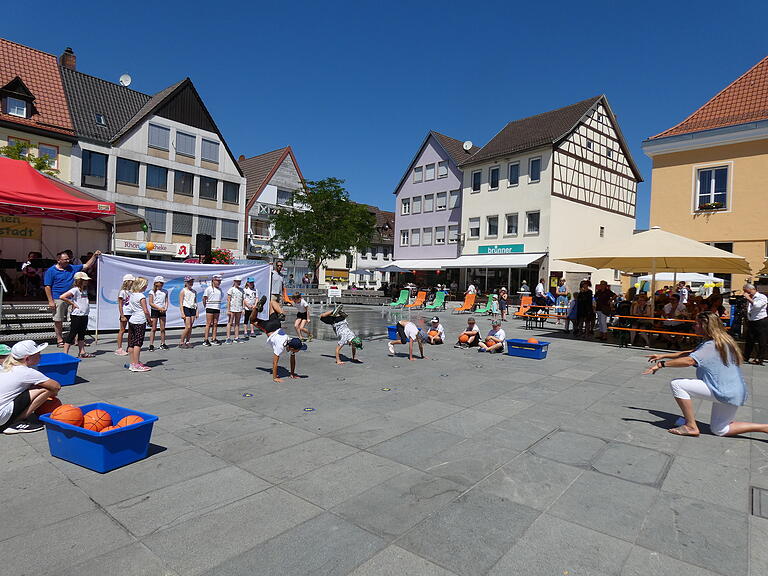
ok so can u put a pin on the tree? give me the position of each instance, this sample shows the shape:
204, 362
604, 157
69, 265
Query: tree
17, 151
323, 224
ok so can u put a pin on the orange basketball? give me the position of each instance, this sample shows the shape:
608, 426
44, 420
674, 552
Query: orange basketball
48, 406
490, 342
433, 333
96, 420
68, 414
463, 338
130, 419
108, 428
532, 341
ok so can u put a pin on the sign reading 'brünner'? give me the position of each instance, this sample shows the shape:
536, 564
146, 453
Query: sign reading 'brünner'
502, 249
21, 228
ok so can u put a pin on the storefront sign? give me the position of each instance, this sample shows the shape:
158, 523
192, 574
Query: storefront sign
334, 291
164, 248
21, 228
502, 249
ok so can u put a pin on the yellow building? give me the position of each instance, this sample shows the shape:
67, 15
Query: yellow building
710, 172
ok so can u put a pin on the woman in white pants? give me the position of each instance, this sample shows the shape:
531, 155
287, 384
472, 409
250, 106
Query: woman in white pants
718, 380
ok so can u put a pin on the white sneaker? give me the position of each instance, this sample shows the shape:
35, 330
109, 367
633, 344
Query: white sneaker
391, 348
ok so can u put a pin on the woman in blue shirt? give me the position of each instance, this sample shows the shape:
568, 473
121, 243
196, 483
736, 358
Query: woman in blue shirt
718, 379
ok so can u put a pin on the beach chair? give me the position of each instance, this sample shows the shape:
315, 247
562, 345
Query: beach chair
418, 302
401, 300
286, 299
525, 304
488, 307
469, 303
437, 303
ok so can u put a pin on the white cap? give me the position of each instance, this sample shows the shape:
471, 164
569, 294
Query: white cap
128, 277
237, 279
159, 279
217, 277
81, 276
26, 348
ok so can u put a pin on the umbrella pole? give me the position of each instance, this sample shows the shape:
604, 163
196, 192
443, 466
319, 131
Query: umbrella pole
653, 286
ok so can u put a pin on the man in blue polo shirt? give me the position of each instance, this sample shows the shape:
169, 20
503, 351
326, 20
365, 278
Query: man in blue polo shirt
58, 279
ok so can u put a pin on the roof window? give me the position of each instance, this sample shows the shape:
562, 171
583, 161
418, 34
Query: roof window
100, 120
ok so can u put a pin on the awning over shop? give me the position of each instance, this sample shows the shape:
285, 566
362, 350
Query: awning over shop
473, 261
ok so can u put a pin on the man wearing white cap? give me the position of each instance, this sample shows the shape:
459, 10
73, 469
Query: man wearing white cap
23, 389
235, 296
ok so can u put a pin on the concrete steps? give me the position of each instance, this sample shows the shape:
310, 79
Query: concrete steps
27, 321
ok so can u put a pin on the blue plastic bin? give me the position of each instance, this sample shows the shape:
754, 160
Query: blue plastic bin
60, 367
392, 333
97, 451
525, 349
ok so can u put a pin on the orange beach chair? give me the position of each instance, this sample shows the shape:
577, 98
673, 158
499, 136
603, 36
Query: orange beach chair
418, 302
469, 303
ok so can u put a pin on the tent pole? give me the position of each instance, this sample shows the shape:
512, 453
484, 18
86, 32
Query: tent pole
653, 286
97, 304
77, 239
114, 231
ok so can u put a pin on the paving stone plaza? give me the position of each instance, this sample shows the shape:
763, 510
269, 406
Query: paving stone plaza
463, 464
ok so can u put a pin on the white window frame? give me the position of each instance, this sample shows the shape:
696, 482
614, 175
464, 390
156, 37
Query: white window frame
457, 195
54, 160
404, 236
697, 201
488, 226
453, 238
528, 221
437, 240
415, 205
426, 236
498, 177
590, 144
405, 207
427, 168
431, 199
442, 169
437, 201
507, 233
11, 104
418, 174
415, 239
472, 181
608, 152
471, 228
530, 163
510, 184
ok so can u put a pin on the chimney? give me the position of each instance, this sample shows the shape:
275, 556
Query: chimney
242, 157
68, 59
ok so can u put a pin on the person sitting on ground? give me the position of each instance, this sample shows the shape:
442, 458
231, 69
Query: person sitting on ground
436, 333
469, 337
23, 389
281, 342
718, 380
494, 341
337, 319
408, 333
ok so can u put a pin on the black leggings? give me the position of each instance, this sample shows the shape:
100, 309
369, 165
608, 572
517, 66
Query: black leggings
78, 328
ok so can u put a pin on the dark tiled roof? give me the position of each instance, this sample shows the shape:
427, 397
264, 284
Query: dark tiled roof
40, 74
89, 96
455, 148
259, 169
149, 106
744, 100
534, 131
385, 224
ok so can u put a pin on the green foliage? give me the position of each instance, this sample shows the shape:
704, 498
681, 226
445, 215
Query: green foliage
324, 224
17, 152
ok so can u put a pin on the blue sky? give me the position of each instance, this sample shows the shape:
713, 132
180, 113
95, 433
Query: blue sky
354, 86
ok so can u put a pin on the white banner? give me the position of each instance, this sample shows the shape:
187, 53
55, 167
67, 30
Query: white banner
112, 268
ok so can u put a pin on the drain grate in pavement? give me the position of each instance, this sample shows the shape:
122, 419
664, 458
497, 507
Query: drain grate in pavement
759, 502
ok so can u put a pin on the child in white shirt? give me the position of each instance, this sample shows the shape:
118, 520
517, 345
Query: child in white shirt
77, 298
302, 316
235, 299
494, 341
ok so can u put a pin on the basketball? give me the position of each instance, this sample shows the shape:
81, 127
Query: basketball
433, 333
96, 420
532, 341
463, 338
68, 414
108, 428
48, 406
130, 419
490, 342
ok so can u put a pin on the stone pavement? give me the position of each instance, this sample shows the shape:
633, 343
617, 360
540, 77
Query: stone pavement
467, 465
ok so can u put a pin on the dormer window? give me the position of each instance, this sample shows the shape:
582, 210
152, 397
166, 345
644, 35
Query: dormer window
16, 107
100, 120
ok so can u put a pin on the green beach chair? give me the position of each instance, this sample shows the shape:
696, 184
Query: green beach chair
437, 303
402, 300
488, 307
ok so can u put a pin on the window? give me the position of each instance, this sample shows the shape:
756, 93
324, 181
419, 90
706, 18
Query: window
228, 229
130, 207
429, 172
231, 193
208, 188
210, 151
418, 174
403, 237
157, 177
608, 152
441, 199
185, 144
182, 223
532, 222
513, 174
16, 107
442, 169
534, 170
182, 183
439, 235
284, 197
453, 234
474, 227
94, 171
589, 144
206, 225
602, 231
405, 208
127, 172
415, 237
426, 237
429, 202
494, 178
416, 205
260, 228
712, 193
492, 226
100, 119
511, 225
51, 151
159, 136
155, 218
476, 177
454, 199
12, 141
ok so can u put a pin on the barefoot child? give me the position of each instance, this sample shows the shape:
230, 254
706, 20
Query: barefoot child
338, 320
235, 297
281, 342
409, 333
77, 298
158, 306
302, 316
494, 341
188, 307
137, 324
212, 302
124, 310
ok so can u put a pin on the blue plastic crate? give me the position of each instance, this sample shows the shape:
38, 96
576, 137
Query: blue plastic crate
525, 349
60, 367
97, 451
392, 333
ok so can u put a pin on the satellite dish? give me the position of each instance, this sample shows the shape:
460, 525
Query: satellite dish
125, 80
467, 145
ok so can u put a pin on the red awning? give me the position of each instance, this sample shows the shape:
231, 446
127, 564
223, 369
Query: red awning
26, 192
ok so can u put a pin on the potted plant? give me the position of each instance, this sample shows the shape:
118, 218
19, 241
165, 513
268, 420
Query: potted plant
711, 206
220, 256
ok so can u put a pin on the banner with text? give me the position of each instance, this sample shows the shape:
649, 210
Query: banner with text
19, 227
111, 270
